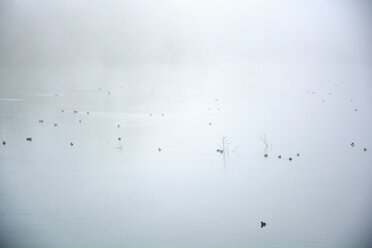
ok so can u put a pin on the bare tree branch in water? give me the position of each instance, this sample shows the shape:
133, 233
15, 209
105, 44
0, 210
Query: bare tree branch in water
266, 142
224, 147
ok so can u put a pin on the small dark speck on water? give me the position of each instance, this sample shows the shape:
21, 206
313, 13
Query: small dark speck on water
108, 92
162, 115
290, 159
71, 144
210, 123
88, 113
159, 149
365, 149
75, 111
4, 143
118, 125
29, 139
55, 124
298, 154
79, 121
266, 155
356, 110
352, 144
119, 138
41, 121
280, 156
263, 224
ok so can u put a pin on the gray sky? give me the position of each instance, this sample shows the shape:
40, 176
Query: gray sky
52, 32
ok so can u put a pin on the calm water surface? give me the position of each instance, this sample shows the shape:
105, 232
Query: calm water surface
105, 192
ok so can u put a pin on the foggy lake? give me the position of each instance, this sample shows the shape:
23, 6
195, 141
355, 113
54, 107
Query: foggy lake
185, 124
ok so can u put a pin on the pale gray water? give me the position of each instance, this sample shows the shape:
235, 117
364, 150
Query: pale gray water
102, 192
276, 78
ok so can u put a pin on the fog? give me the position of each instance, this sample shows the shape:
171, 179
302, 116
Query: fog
146, 32
185, 123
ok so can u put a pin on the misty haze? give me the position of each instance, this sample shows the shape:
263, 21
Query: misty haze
169, 124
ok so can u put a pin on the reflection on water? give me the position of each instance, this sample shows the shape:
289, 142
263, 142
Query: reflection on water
138, 167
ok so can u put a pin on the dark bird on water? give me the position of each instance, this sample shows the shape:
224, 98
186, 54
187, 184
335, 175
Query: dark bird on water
352, 144
298, 154
119, 138
41, 121
75, 111
71, 144
263, 224
290, 159
29, 139
280, 156
365, 149
4, 143
159, 149
219, 150
55, 124
266, 155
